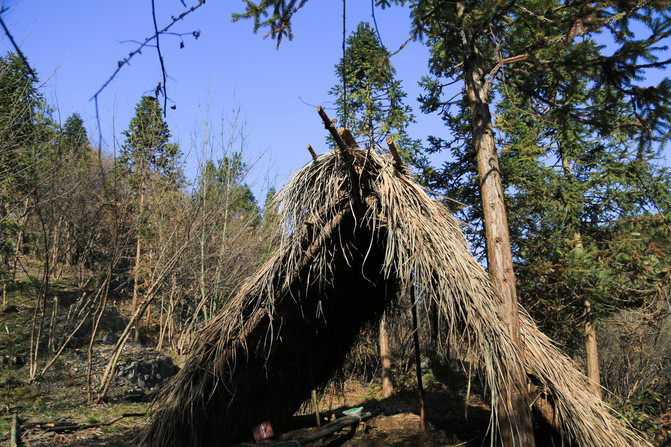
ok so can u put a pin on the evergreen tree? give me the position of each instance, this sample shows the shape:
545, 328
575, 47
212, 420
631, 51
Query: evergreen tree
573, 186
568, 103
223, 181
369, 100
147, 152
20, 102
25, 130
74, 138
148, 163
370, 104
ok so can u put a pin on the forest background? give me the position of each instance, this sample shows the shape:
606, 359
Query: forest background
141, 205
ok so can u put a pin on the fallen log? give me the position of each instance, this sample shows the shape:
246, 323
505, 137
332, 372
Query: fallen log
328, 429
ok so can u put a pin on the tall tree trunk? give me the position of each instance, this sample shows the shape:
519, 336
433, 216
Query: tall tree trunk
591, 350
385, 358
499, 254
591, 353
136, 268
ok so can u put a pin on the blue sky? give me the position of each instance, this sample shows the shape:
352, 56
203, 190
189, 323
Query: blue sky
75, 46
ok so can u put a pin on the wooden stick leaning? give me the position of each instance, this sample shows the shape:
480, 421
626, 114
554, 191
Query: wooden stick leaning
418, 362
344, 150
312, 152
398, 162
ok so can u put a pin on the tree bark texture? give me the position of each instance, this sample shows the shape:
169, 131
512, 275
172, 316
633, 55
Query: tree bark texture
385, 358
591, 351
497, 238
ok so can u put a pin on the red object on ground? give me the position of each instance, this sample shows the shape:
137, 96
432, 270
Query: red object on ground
263, 431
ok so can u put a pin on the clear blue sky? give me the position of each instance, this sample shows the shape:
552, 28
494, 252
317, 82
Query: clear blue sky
75, 46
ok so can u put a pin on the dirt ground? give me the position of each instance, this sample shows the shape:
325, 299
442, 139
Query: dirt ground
395, 421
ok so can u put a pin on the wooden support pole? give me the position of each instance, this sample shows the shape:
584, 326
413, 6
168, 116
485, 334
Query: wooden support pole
312, 152
415, 336
398, 162
347, 137
315, 402
344, 150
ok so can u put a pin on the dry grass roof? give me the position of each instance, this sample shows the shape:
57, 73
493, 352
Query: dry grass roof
358, 233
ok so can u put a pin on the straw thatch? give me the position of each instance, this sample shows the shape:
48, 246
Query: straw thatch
358, 233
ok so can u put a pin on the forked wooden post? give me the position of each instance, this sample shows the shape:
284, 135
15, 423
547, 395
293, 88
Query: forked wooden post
344, 150
312, 152
398, 162
347, 137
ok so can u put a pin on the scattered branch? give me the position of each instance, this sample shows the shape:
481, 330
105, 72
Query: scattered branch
333, 427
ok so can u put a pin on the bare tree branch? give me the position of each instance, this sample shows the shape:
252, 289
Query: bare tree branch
16, 47
160, 59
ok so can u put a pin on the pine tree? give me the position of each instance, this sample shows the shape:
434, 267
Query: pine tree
20, 102
369, 99
25, 136
568, 102
147, 152
578, 173
74, 139
147, 159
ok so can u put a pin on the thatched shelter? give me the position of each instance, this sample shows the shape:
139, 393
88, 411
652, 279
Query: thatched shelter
359, 232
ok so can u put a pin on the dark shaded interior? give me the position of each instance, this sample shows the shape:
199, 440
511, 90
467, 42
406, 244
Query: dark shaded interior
313, 328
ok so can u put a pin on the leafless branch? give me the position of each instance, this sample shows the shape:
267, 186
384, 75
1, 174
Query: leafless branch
138, 50
16, 47
160, 59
